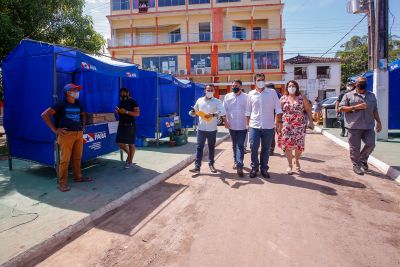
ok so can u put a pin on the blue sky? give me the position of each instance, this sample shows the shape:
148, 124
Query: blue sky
312, 26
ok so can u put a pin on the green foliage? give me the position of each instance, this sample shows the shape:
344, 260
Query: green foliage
354, 56
53, 21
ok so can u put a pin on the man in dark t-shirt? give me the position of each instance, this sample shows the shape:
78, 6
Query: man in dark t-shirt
127, 110
70, 119
340, 115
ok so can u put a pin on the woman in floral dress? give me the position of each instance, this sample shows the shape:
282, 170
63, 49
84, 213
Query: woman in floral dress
294, 124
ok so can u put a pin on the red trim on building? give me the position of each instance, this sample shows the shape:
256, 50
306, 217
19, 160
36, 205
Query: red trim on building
190, 9
188, 62
217, 24
214, 59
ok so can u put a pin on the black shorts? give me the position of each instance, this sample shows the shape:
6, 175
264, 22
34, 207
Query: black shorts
126, 134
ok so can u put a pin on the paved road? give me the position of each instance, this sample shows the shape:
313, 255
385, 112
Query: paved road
325, 216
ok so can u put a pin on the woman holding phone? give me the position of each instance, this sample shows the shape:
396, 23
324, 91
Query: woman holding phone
295, 107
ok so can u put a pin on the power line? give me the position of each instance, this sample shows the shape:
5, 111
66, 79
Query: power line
341, 39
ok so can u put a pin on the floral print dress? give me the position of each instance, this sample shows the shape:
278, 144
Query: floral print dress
293, 131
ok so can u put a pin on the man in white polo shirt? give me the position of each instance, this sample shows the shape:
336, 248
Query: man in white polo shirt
211, 108
235, 104
262, 106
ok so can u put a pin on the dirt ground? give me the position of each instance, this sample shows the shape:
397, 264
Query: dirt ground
324, 216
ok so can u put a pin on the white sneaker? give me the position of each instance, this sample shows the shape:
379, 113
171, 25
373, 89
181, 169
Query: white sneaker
128, 165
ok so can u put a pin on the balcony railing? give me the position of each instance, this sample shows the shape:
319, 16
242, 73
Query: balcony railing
173, 38
263, 34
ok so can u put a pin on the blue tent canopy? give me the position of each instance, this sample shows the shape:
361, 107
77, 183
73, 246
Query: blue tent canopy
34, 74
394, 91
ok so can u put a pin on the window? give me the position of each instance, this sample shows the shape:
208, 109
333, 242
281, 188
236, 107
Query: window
300, 73
194, 2
175, 36
200, 64
162, 3
257, 33
161, 64
120, 5
266, 60
234, 61
227, 1
323, 72
150, 3
204, 32
239, 32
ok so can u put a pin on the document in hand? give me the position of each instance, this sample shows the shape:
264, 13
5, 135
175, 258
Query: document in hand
202, 114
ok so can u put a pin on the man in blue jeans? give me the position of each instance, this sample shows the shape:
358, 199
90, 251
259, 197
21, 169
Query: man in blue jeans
209, 109
234, 104
263, 104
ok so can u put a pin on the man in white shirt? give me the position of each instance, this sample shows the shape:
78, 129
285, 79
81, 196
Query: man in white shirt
235, 104
207, 126
263, 104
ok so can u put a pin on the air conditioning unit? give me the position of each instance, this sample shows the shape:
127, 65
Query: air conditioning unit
357, 6
200, 71
182, 72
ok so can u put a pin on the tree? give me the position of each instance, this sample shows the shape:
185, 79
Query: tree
53, 21
354, 57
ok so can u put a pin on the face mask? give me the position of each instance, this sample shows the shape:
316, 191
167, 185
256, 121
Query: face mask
209, 94
291, 90
260, 84
236, 90
74, 95
124, 97
362, 86
349, 88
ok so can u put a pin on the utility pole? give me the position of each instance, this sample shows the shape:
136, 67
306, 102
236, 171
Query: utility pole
371, 34
381, 74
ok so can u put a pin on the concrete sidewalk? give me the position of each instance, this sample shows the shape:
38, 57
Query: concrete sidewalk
385, 157
32, 210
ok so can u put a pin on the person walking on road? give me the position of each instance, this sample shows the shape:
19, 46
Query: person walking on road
208, 108
292, 136
263, 104
235, 104
127, 110
70, 119
360, 113
340, 115
273, 143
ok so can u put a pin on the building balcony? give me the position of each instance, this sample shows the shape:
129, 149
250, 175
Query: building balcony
151, 39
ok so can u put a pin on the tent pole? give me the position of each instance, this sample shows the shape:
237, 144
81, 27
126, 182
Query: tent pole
10, 166
157, 113
55, 99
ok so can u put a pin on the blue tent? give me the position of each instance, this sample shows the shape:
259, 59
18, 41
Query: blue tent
394, 91
33, 76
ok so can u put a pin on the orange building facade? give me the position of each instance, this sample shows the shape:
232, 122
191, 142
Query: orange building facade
208, 41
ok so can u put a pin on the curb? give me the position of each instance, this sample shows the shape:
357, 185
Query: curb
64, 235
388, 170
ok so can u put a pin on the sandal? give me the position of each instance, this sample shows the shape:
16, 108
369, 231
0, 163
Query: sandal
64, 188
83, 180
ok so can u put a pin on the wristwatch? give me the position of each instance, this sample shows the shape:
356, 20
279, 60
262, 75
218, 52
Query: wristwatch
126, 112
353, 108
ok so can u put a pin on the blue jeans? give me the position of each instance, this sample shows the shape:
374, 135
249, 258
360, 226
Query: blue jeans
263, 136
238, 138
211, 138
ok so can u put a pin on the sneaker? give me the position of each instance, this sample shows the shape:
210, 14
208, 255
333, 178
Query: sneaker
289, 170
364, 166
358, 170
240, 172
234, 166
196, 169
253, 173
212, 168
128, 165
265, 174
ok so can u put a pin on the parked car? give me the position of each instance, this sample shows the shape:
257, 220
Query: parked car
327, 102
